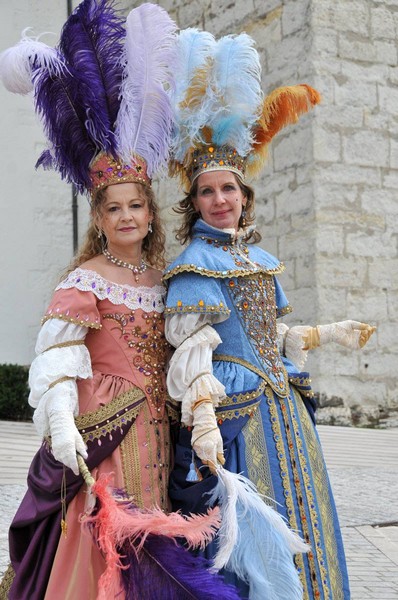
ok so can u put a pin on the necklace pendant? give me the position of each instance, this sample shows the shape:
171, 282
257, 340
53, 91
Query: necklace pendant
135, 269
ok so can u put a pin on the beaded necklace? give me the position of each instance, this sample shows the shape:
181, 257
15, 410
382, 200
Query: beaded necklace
136, 270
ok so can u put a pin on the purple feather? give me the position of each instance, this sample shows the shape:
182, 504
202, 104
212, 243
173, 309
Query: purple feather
45, 160
64, 125
166, 571
92, 43
145, 117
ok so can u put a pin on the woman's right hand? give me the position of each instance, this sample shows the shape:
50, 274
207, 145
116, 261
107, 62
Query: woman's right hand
206, 436
66, 440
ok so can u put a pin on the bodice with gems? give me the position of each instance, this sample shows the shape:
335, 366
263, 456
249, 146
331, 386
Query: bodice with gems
222, 275
125, 329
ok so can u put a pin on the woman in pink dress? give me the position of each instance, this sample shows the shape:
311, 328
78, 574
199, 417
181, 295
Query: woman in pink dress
101, 358
97, 383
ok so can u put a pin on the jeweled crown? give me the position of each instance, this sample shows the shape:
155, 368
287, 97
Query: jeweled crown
106, 170
213, 158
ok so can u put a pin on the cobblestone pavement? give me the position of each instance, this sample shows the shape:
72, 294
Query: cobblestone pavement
363, 468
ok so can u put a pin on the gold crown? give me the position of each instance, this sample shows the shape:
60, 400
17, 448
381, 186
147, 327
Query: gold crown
105, 170
215, 158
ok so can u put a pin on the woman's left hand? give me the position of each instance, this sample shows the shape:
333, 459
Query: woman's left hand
350, 334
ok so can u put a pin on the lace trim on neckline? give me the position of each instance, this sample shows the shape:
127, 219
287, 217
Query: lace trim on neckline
147, 298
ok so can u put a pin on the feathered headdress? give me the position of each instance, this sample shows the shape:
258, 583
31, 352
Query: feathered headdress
222, 120
102, 94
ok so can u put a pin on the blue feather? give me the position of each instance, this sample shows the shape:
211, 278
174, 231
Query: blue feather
255, 543
236, 80
195, 50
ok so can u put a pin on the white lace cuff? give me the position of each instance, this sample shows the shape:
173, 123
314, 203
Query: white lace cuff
294, 346
281, 330
204, 386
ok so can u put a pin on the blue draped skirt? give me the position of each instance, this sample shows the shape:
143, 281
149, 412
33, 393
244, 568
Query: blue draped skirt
273, 442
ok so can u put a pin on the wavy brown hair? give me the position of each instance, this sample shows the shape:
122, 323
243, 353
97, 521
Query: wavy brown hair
152, 245
190, 215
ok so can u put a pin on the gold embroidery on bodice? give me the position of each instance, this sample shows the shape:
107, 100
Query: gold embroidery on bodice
148, 350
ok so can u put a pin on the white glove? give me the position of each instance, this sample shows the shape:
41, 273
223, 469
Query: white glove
66, 439
54, 417
206, 437
351, 334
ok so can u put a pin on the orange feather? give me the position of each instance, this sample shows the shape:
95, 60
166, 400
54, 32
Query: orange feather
281, 107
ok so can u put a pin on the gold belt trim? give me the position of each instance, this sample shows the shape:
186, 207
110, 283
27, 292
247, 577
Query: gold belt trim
119, 411
245, 363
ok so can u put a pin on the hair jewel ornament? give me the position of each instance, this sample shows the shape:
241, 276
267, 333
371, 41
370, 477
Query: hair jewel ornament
102, 93
222, 121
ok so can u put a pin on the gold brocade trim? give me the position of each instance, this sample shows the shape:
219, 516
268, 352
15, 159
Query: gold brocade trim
163, 445
257, 461
198, 308
60, 380
222, 274
244, 397
229, 407
110, 416
281, 312
317, 465
147, 418
173, 410
295, 441
6, 582
62, 317
301, 381
287, 489
236, 412
244, 363
131, 467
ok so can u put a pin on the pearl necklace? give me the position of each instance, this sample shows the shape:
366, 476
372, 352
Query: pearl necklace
137, 270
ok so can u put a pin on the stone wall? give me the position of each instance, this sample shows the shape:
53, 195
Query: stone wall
326, 203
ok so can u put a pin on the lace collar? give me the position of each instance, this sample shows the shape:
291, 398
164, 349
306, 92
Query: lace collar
147, 298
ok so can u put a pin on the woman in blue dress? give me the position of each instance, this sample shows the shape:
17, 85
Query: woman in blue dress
244, 403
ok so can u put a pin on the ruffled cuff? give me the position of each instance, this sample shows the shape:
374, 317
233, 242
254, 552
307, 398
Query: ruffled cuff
281, 330
204, 386
294, 346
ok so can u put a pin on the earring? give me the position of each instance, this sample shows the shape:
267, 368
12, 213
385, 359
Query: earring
243, 215
99, 233
150, 228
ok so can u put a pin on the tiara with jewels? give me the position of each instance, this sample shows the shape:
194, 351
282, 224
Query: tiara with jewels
106, 170
212, 158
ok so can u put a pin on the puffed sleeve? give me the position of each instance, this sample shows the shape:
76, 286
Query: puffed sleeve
62, 356
193, 304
